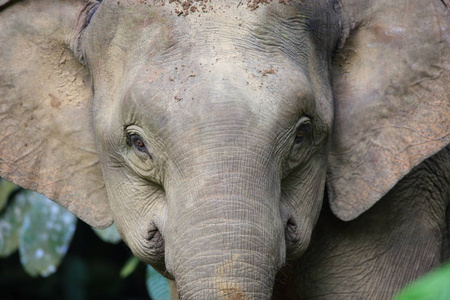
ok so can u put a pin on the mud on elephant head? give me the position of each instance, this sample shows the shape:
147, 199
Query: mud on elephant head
208, 130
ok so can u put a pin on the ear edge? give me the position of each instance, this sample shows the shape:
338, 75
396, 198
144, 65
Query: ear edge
347, 212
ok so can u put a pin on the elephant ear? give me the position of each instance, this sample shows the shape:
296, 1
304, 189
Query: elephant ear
46, 141
391, 83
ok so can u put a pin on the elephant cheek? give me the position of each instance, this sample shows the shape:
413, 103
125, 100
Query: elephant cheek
144, 231
297, 232
300, 207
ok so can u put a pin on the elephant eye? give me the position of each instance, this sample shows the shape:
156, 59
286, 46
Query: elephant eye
137, 142
302, 132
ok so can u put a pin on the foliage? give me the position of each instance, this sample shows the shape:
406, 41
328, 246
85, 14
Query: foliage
11, 221
39, 228
157, 285
6, 188
129, 267
433, 286
45, 235
42, 232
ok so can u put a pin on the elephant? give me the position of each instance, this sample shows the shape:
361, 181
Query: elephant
245, 149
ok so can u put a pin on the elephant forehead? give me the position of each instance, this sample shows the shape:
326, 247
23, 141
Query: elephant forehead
155, 32
232, 50
178, 8
233, 65
184, 8
226, 91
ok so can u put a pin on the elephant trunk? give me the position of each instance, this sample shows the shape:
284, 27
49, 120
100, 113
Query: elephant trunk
225, 236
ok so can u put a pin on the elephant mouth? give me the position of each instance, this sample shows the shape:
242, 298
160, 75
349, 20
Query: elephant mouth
295, 240
295, 244
291, 229
155, 238
154, 248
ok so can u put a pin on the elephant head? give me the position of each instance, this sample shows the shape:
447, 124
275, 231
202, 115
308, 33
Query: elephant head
207, 130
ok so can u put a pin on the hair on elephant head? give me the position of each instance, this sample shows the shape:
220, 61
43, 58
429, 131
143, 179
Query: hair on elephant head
208, 130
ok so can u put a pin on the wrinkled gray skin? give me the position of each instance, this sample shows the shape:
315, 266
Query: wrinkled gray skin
208, 138
221, 138
403, 236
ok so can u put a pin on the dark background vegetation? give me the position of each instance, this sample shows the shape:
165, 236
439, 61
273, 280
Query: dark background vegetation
90, 270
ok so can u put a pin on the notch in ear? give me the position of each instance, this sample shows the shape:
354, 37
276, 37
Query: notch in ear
392, 98
47, 141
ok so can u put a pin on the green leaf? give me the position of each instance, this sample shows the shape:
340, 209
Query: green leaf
433, 286
109, 235
157, 285
129, 267
6, 188
45, 235
11, 221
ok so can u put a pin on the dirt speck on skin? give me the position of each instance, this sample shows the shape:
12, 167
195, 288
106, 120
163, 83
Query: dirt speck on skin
177, 98
234, 293
270, 71
254, 4
185, 7
54, 102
